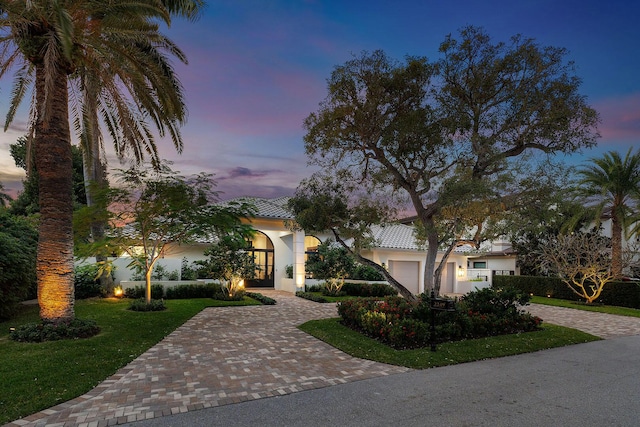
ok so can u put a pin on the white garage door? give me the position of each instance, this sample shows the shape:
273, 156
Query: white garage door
407, 273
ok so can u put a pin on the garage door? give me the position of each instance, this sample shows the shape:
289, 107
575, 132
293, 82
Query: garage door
407, 273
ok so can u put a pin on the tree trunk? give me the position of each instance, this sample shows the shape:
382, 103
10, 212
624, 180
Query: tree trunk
406, 293
430, 259
53, 161
147, 281
616, 245
95, 176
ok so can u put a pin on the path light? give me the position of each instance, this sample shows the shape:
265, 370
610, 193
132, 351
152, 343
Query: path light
118, 292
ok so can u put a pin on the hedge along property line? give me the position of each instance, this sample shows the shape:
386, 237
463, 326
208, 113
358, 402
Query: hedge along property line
621, 294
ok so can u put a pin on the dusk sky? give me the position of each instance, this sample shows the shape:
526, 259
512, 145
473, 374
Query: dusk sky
258, 68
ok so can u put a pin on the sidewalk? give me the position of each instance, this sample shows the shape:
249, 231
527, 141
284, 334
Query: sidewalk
236, 354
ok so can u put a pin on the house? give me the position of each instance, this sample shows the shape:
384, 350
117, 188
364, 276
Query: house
276, 246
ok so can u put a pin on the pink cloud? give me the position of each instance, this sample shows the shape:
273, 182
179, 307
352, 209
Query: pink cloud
620, 118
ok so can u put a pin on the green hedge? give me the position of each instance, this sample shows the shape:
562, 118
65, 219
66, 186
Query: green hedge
621, 294
368, 289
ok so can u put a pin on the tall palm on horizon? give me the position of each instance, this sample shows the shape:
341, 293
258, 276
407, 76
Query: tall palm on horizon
612, 184
46, 44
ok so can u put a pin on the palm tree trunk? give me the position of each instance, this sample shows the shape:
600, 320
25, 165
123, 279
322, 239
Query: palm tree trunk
54, 263
616, 245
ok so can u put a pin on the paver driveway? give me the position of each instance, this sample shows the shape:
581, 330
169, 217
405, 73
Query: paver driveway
232, 354
222, 355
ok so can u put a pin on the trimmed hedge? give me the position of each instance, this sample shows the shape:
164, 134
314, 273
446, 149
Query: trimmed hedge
368, 290
621, 294
378, 290
312, 297
265, 300
157, 292
208, 290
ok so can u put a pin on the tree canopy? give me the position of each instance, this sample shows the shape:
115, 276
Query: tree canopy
458, 139
149, 209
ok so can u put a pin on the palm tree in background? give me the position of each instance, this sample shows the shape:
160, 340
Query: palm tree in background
156, 95
612, 185
47, 44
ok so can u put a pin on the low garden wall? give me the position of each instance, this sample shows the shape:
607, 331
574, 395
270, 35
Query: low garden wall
130, 284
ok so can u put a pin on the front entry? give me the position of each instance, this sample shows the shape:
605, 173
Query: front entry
263, 254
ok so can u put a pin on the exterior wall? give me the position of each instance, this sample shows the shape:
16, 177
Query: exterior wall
494, 264
289, 250
171, 261
384, 256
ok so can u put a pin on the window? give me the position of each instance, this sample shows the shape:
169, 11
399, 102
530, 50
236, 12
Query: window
479, 264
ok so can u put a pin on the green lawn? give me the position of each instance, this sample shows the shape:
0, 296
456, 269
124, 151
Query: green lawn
609, 309
358, 345
38, 376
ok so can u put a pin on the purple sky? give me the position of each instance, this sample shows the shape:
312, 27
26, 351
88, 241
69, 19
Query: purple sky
258, 68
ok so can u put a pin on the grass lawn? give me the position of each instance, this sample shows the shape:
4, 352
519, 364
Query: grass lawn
358, 345
38, 376
609, 309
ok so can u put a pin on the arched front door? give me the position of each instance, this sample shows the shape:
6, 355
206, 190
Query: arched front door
262, 251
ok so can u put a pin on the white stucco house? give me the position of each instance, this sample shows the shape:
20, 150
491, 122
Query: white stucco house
275, 246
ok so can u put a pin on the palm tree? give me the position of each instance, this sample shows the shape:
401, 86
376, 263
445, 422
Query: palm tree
102, 94
613, 184
47, 42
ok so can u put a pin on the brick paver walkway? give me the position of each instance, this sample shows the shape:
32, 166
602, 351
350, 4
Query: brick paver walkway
232, 354
599, 324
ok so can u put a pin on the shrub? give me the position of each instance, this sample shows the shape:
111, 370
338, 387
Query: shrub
366, 272
223, 295
312, 297
85, 283
401, 324
288, 271
157, 292
39, 332
265, 300
187, 271
501, 302
369, 289
141, 304
206, 290
314, 288
18, 241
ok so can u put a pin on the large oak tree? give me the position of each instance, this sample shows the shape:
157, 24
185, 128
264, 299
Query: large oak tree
460, 138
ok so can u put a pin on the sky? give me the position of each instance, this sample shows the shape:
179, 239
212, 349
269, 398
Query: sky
258, 68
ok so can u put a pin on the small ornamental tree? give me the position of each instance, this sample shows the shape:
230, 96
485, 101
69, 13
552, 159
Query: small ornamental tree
332, 264
582, 261
152, 209
230, 262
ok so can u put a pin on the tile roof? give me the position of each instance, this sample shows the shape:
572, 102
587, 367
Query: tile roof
395, 236
268, 208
